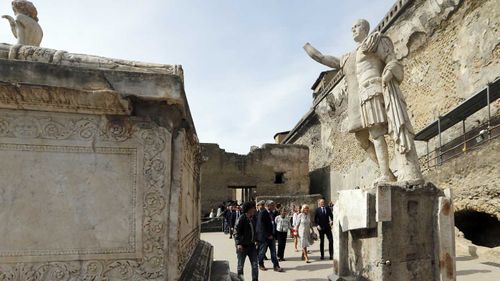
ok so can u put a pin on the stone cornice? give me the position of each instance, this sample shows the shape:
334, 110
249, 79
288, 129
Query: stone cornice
102, 90
60, 57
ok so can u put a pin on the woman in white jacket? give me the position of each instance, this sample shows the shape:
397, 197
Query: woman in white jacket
304, 231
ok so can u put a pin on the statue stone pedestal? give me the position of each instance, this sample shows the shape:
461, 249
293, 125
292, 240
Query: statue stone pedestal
394, 232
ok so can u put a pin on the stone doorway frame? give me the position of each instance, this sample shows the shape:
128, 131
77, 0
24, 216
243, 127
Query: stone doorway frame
242, 193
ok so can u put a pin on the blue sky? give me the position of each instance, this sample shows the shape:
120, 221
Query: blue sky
246, 74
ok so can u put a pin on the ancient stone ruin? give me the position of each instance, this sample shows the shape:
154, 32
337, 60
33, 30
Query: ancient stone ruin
101, 159
271, 170
104, 178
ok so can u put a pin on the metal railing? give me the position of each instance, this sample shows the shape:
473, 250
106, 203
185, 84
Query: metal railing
468, 141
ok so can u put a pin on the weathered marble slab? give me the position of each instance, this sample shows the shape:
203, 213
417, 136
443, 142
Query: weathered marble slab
446, 237
82, 188
353, 209
340, 240
383, 203
73, 201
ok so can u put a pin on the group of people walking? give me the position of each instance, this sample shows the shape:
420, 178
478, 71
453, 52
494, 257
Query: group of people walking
230, 215
257, 227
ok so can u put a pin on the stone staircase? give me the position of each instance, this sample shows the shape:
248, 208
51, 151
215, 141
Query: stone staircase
202, 267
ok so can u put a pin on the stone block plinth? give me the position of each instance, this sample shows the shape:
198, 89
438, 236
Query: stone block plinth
412, 238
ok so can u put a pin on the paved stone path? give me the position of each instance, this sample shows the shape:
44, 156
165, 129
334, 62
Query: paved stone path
468, 268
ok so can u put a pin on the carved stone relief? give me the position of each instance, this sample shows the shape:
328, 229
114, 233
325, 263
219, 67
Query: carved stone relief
93, 135
20, 96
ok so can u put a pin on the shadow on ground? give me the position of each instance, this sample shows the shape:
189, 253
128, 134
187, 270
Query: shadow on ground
471, 271
311, 267
492, 264
465, 258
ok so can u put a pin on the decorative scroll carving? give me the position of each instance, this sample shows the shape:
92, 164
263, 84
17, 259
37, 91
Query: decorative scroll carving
40, 126
19, 96
188, 245
190, 191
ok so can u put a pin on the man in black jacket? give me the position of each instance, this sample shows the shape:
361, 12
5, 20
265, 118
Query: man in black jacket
266, 236
322, 218
244, 236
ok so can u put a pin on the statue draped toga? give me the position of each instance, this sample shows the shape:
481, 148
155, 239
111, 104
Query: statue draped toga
376, 106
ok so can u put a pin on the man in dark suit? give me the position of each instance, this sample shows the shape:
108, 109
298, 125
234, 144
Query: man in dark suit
227, 219
238, 212
322, 218
234, 215
266, 236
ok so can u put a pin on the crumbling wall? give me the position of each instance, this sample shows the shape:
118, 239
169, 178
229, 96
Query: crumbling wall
474, 179
218, 167
221, 170
451, 53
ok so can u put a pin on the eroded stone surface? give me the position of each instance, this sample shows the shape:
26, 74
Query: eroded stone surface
401, 249
85, 195
223, 173
353, 209
59, 57
446, 237
59, 210
101, 195
383, 204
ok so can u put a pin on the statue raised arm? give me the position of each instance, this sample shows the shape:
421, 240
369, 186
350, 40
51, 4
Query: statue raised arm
12, 23
316, 55
376, 106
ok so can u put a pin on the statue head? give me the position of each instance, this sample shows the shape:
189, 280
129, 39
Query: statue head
360, 30
26, 8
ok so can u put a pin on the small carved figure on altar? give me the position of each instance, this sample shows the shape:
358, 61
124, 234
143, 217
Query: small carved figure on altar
25, 26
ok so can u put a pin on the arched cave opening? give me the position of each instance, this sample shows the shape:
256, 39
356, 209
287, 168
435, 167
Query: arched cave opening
481, 228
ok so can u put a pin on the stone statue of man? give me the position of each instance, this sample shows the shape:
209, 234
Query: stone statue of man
25, 26
376, 106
